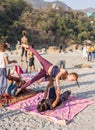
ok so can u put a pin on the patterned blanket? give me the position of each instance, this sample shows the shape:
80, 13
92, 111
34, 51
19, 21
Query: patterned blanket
66, 111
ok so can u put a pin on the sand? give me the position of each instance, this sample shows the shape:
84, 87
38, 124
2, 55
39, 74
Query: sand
85, 120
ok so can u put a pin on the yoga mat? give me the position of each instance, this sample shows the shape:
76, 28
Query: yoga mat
66, 111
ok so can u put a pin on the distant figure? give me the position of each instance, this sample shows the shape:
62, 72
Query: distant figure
24, 40
31, 61
3, 72
85, 51
90, 52
60, 48
61, 64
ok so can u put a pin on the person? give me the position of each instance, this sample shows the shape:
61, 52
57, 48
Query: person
14, 83
24, 40
4, 60
85, 49
49, 70
31, 61
60, 48
54, 99
89, 52
61, 64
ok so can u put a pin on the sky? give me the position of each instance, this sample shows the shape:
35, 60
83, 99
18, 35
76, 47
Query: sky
77, 4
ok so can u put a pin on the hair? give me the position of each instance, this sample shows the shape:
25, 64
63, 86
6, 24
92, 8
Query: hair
74, 74
18, 81
32, 45
41, 107
3, 46
23, 32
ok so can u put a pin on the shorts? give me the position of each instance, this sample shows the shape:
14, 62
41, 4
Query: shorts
31, 61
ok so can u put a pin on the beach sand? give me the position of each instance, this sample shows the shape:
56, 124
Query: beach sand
85, 120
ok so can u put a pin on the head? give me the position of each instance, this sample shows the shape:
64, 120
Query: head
1, 47
42, 106
72, 76
24, 33
4, 46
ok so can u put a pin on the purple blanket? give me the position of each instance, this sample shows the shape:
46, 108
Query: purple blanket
66, 111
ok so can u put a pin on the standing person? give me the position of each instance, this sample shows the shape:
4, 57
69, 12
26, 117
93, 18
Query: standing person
85, 53
24, 40
90, 52
31, 61
3, 72
50, 70
60, 48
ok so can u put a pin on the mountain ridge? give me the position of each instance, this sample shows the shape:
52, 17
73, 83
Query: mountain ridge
42, 4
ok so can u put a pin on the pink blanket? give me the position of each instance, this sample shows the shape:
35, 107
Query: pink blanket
66, 111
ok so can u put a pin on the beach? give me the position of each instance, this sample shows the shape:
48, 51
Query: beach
84, 120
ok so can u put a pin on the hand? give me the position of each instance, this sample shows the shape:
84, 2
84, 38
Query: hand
25, 46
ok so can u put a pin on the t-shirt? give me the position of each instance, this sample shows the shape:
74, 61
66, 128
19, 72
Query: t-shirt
2, 61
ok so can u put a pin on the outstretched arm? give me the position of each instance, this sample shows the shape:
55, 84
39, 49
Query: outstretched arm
50, 84
7, 61
55, 103
46, 92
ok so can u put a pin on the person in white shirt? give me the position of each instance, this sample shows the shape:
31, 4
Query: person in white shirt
85, 51
3, 72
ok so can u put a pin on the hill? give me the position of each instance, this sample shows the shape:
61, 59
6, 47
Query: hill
42, 4
87, 10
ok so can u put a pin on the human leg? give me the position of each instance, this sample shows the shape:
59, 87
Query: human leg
46, 64
35, 78
3, 80
26, 55
22, 53
31, 64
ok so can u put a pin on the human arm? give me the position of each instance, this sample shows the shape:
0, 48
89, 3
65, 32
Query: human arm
57, 79
55, 103
25, 46
50, 84
7, 61
58, 90
46, 92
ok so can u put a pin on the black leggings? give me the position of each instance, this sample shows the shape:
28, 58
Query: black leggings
23, 50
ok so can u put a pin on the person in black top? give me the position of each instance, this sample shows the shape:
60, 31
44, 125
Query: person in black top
53, 99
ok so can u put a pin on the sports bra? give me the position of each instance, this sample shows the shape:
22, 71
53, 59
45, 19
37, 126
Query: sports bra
55, 70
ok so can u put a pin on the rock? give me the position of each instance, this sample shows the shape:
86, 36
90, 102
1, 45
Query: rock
53, 49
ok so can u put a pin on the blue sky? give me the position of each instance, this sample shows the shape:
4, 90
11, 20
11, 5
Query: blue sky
77, 4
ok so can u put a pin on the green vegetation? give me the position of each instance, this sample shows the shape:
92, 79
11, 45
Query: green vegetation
48, 26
